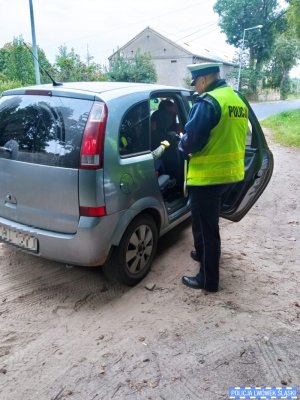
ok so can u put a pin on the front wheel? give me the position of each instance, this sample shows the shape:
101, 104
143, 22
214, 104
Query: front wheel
131, 261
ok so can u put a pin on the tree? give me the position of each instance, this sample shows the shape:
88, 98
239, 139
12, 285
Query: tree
295, 86
293, 17
70, 68
138, 69
286, 51
119, 69
17, 63
285, 56
237, 15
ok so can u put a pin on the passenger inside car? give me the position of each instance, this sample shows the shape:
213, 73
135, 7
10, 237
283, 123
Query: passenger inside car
165, 125
164, 120
134, 136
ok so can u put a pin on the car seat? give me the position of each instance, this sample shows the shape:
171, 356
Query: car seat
165, 182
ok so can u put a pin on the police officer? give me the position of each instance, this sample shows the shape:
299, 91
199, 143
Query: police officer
214, 144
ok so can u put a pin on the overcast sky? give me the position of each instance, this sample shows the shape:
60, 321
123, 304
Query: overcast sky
101, 26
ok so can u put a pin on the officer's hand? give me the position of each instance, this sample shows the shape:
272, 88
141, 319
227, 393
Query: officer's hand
165, 143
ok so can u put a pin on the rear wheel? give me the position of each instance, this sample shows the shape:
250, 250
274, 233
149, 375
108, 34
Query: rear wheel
131, 260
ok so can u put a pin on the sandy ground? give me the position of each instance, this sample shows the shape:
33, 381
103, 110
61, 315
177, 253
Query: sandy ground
68, 333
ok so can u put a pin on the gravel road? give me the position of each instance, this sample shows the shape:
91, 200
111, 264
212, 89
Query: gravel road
67, 333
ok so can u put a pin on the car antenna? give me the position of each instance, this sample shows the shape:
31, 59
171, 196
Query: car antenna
54, 83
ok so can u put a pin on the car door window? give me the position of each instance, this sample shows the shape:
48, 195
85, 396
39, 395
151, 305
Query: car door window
258, 170
135, 130
166, 117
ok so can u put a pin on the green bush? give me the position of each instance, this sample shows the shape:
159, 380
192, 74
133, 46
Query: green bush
285, 88
5, 85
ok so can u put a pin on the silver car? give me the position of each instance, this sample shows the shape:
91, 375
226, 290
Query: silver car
80, 184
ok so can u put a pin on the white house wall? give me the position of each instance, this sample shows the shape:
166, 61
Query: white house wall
170, 59
171, 71
170, 62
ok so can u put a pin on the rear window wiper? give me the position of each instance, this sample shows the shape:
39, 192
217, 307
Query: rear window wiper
11, 147
7, 149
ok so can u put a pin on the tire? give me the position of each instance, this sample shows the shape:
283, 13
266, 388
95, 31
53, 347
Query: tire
131, 261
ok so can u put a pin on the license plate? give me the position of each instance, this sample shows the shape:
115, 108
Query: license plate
20, 239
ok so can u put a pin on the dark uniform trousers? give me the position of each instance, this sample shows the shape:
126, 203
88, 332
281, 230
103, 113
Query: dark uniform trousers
205, 206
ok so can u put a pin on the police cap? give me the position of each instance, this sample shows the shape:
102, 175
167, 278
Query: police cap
202, 70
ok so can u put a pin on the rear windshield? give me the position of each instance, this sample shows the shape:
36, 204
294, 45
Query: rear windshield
42, 130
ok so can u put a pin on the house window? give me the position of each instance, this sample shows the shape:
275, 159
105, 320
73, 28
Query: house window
173, 61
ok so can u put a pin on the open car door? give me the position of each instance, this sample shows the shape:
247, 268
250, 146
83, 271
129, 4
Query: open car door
237, 201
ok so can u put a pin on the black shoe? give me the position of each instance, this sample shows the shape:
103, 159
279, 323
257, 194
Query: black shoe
194, 256
193, 283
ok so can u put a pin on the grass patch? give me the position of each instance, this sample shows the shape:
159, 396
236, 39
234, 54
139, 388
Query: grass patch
285, 127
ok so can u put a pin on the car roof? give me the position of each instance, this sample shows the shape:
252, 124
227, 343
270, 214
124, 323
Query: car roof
92, 88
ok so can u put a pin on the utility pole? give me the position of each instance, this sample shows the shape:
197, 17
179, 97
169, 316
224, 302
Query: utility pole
34, 48
241, 53
87, 55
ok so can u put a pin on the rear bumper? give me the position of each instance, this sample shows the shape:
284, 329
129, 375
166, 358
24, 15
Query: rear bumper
89, 246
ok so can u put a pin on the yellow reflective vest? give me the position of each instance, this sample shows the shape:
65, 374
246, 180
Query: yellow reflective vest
222, 158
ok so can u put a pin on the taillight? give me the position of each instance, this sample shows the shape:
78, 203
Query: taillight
37, 92
91, 155
92, 211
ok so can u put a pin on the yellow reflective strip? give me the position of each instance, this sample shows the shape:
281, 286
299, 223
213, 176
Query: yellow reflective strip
215, 181
215, 172
199, 159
